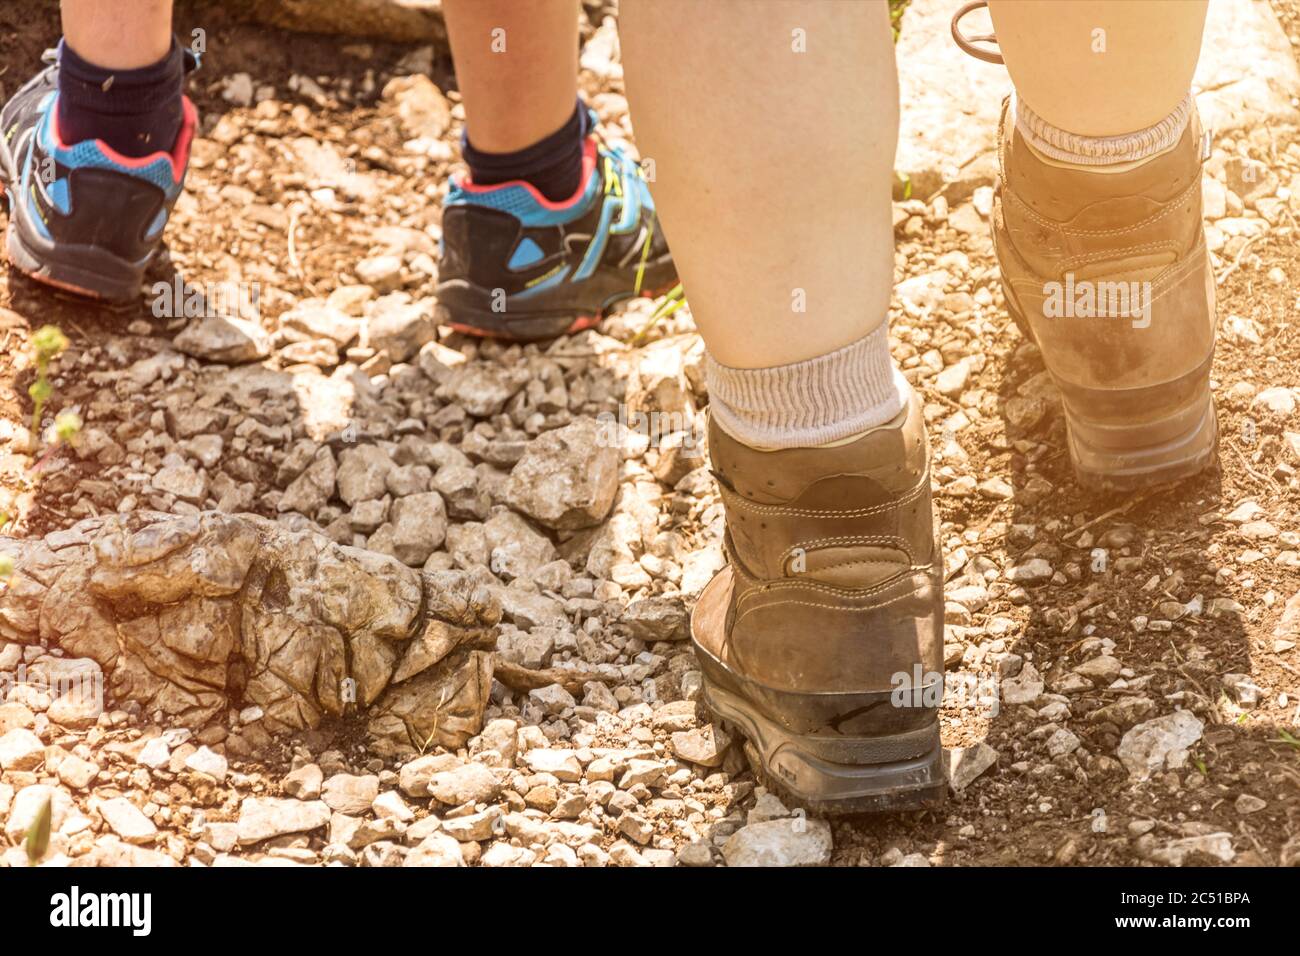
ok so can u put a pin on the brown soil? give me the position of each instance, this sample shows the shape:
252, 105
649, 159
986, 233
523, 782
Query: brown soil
235, 222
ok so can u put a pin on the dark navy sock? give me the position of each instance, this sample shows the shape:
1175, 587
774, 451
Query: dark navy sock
137, 112
553, 166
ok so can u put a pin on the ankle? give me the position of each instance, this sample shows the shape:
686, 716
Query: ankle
136, 112
821, 402
553, 166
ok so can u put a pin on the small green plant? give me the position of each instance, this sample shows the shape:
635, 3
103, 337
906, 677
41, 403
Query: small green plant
38, 834
906, 180
67, 426
672, 300
1285, 737
48, 343
896, 8
6, 562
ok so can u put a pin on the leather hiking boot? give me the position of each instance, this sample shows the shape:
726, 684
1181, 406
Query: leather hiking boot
1107, 273
822, 640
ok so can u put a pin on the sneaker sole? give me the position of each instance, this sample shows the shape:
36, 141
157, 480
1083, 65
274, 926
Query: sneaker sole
85, 271
538, 326
535, 328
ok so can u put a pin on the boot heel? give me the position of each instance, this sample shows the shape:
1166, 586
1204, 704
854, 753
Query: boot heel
797, 768
1123, 440
1132, 438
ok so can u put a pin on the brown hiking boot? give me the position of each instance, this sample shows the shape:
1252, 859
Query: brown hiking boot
1107, 273
822, 641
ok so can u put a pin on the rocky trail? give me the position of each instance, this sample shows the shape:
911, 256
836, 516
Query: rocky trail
360, 590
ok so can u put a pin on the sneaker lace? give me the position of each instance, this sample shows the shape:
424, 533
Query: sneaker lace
622, 175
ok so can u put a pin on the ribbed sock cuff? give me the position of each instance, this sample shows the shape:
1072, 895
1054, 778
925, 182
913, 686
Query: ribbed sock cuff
810, 403
1066, 147
121, 92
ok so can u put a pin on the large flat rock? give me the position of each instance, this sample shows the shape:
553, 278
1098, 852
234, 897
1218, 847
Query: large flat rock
195, 616
1247, 75
949, 101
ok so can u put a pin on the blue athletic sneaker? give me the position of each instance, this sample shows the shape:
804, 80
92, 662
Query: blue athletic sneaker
517, 266
83, 217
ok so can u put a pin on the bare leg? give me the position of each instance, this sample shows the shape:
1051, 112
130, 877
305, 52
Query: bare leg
517, 67
772, 127
1096, 67
118, 34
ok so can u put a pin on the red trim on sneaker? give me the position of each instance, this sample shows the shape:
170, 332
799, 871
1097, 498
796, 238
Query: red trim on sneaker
178, 155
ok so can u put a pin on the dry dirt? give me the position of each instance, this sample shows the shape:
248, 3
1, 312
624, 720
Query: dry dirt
1031, 807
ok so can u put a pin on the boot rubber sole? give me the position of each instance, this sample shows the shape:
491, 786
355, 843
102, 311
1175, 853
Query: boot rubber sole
1109, 458
1116, 445
827, 774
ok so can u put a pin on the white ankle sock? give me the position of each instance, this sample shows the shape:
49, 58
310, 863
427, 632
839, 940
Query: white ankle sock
815, 402
1127, 149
